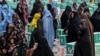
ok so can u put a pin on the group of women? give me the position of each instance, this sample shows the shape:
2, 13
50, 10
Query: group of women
13, 40
76, 22
80, 27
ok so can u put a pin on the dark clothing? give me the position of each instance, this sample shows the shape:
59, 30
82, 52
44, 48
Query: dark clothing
65, 17
36, 6
95, 19
43, 48
73, 29
55, 26
20, 14
39, 29
83, 46
83, 49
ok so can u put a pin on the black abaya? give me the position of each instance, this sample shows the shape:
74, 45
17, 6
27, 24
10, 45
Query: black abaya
83, 46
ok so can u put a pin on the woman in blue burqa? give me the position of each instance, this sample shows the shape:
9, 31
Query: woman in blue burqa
5, 16
48, 27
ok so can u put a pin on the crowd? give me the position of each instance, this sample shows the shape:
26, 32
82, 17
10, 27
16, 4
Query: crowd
76, 22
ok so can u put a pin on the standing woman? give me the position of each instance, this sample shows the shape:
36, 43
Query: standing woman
72, 27
84, 45
52, 11
34, 9
65, 17
20, 12
48, 27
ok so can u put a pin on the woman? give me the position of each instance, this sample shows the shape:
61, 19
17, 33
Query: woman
20, 12
51, 9
38, 44
81, 8
34, 9
84, 45
36, 16
48, 27
95, 19
65, 17
34, 24
72, 27
42, 49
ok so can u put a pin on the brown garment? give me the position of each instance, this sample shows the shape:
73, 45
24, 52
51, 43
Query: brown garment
91, 31
13, 37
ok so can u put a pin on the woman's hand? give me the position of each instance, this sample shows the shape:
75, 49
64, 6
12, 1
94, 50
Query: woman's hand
66, 31
34, 46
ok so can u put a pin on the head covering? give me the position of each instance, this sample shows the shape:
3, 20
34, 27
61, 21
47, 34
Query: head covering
65, 16
54, 5
46, 13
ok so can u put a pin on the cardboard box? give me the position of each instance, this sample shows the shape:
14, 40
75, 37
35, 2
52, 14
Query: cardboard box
97, 49
70, 48
62, 40
97, 37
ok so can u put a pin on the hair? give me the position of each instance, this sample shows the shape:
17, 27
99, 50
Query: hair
68, 8
18, 5
75, 14
36, 6
49, 6
51, 9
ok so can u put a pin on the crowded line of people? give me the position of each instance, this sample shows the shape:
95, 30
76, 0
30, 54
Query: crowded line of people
80, 27
76, 22
13, 40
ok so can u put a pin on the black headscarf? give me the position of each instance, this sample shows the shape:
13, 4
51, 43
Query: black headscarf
36, 5
65, 16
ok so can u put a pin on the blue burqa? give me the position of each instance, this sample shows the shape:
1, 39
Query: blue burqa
48, 27
7, 15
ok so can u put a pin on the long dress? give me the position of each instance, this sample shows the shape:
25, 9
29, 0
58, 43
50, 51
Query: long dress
95, 19
84, 46
65, 17
37, 36
48, 27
